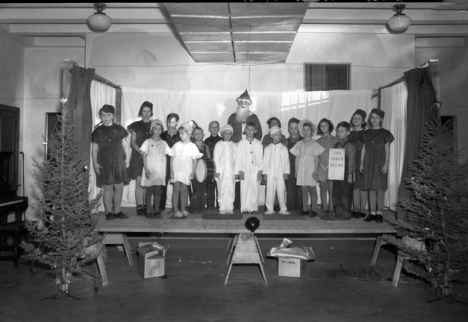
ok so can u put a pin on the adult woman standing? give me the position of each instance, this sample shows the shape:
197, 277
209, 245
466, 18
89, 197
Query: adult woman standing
140, 131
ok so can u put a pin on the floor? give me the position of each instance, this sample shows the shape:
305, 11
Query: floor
195, 289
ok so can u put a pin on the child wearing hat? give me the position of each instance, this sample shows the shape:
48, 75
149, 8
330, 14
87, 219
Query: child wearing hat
307, 151
275, 172
225, 161
108, 155
375, 156
184, 159
358, 125
154, 152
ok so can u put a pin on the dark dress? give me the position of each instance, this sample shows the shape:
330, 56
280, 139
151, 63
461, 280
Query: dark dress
198, 198
354, 137
143, 132
211, 187
111, 155
374, 160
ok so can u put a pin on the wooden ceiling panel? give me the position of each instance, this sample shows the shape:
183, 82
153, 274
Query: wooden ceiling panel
262, 47
205, 46
250, 31
201, 21
265, 36
205, 9
213, 57
206, 36
264, 57
202, 28
268, 9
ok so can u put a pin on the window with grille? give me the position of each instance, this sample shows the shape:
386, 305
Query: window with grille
326, 77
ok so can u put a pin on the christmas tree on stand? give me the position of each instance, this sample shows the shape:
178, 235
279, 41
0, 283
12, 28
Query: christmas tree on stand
66, 227
437, 219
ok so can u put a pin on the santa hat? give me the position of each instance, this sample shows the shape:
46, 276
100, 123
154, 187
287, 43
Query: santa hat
274, 129
227, 127
378, 112
361, 112
245, 96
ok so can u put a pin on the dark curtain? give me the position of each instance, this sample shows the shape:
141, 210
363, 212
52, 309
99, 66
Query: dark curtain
80, 104
421, 109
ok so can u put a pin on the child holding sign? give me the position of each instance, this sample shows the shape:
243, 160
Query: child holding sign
343, 189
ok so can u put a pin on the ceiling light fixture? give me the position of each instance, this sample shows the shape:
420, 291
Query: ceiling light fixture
399, 22
99, 21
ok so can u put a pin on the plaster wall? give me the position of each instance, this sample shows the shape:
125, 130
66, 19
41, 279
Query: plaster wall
42, 92
453, 66
161, 61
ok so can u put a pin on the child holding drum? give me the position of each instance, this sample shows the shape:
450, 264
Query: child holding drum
153, 177
198, 198
249, 159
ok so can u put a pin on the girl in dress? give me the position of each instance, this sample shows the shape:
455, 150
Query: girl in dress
307, 152
140, 131
184, 159
327, 141
375, 156
108, 155
358, 125
153, 179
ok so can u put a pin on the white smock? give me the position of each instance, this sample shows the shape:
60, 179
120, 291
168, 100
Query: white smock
183, 155
306, 153
156, 161
275, 165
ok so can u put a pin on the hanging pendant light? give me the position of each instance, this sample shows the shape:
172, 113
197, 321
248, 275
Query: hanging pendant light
399, 22
99, 21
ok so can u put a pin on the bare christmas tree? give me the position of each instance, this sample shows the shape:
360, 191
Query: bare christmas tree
438, 213
66, 227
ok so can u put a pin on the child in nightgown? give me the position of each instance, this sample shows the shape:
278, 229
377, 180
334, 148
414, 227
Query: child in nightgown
153, 177
184, 159
307, 152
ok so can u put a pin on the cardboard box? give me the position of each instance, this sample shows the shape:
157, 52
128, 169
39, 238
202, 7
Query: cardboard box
152, 266
291, 267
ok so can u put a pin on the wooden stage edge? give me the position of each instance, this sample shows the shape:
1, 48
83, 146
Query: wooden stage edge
194, 224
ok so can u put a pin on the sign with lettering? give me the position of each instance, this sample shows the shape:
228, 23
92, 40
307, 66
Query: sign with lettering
336, 164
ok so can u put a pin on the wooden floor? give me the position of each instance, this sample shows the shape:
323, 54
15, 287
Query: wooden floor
195, 224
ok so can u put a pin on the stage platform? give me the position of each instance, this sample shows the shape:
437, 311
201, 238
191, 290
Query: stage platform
195, 224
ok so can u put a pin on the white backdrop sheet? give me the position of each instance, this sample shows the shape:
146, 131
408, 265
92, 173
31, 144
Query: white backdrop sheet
394, 104
206, 106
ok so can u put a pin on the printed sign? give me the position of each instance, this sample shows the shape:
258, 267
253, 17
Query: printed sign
336, 164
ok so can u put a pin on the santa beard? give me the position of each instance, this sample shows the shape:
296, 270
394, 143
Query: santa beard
241, 114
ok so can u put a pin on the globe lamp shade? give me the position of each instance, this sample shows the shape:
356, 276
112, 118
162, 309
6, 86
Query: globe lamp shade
99, 20
399, 22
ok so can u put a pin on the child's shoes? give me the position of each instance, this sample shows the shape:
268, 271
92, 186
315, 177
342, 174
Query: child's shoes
178, 214
185, 213
284, 212
269, 212
222, 212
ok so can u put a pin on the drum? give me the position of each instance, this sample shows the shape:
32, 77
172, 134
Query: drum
205, 171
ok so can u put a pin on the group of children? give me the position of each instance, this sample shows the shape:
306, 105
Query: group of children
250, 161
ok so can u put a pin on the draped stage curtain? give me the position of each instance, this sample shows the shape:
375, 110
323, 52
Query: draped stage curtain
81, 115
394, 104
420, 109
206, 106
100, 94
